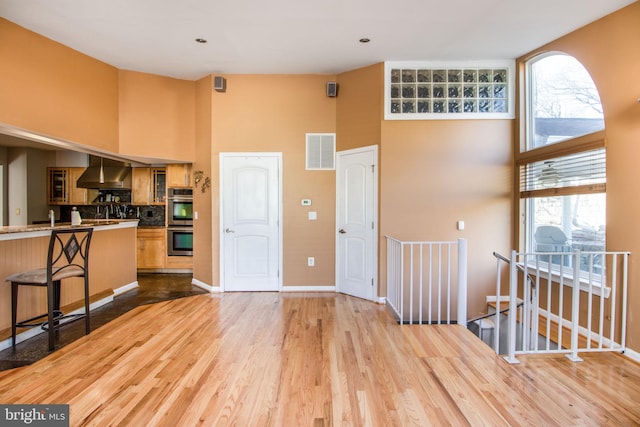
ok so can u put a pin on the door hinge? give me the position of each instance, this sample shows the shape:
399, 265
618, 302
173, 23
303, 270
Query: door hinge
372, 225
372, 281
373, 168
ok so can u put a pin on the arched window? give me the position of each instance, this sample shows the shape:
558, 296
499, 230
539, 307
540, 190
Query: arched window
562, 161
563, 101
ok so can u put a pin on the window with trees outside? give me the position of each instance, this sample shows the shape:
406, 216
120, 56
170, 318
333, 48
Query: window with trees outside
562, 163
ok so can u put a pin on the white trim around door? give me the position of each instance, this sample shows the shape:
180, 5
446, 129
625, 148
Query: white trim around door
357, 222
251, 221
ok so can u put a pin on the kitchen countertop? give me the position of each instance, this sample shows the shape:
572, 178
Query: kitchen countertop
14, 232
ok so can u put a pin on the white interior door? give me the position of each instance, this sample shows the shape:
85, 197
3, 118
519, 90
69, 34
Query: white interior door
250, 221
356, 221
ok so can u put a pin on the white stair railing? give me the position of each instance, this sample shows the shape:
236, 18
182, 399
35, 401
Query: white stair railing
427, 281
572, 302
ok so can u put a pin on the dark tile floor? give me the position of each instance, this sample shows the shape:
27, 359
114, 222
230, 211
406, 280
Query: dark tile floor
152, 288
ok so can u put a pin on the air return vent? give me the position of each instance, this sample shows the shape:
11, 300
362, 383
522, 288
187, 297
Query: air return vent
321, 151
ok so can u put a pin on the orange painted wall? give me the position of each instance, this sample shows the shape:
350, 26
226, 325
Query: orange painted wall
360, 107
273, 113
53, 90
157, 116
204, 248
433, 173
609, 50
436, 172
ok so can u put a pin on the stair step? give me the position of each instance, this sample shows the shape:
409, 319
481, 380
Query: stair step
487, 323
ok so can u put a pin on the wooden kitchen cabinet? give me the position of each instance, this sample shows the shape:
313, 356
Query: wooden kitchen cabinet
148, 186
140, 186
179, 175
62, 189
151, 248
79, 196
179, 263
57, 186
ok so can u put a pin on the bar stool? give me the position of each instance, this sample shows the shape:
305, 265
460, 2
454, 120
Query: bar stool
68, 256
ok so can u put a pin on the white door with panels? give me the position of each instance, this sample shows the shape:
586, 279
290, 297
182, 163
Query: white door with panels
250, 210
356, 221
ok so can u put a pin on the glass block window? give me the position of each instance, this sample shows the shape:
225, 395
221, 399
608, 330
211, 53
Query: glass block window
448, 91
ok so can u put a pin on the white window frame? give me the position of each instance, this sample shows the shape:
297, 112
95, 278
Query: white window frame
598, 283
509, 65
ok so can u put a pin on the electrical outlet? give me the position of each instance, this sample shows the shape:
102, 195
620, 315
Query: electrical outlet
311, 261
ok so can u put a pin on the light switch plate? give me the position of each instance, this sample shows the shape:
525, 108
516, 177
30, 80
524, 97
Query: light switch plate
313, 216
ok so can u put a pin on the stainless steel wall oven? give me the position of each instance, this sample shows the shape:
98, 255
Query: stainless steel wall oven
180, 207
180, 222
179, 241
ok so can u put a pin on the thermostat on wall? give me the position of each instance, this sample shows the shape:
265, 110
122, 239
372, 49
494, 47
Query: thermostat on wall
305, 202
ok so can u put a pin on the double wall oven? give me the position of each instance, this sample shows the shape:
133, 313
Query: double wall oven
180, 222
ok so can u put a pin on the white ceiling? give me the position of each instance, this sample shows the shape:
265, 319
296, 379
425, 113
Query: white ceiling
298, 36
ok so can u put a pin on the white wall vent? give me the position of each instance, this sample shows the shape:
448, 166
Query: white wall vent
321, 151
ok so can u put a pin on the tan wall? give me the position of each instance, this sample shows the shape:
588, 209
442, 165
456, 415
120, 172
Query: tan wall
205, 249
360, 107
273, 113
608, 48
434, 173
51, 89
157, 116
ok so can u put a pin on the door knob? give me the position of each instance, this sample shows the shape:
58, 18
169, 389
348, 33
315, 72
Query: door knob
228, 230
341, 231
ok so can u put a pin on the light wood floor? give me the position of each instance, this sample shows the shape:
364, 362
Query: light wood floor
260, 359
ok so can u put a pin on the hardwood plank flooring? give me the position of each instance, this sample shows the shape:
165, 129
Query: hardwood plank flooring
270, 359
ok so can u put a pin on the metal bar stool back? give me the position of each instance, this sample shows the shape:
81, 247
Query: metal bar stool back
67, 256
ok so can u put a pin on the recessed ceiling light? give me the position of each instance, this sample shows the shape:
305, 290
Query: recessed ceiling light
364, 40
199, 40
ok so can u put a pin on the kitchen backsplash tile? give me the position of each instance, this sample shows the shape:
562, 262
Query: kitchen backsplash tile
148, 216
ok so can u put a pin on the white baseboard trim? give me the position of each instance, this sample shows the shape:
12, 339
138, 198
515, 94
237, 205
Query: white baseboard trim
205, 286
381, 300
125, 288
633, 355
308, 289
32, 332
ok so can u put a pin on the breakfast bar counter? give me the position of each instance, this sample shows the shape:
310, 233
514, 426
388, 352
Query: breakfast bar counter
112, 265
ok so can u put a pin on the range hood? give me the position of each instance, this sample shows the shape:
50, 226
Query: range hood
105, 174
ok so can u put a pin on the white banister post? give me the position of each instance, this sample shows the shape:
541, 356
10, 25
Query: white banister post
401, 284
496, 334
390, 270
513, 296
575, 308
625, 282
462, 282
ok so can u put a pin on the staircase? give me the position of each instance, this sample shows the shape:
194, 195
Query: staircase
549, 308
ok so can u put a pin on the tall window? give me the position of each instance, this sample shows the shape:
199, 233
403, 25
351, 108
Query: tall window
563, 161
